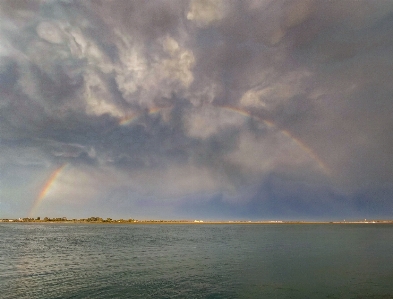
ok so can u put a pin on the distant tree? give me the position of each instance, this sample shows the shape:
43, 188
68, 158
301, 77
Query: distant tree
92, 219
38, 218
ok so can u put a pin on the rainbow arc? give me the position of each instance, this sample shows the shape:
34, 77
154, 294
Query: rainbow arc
269, 123
128, 119
47, 187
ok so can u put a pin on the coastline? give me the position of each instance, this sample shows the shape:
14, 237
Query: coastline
194, 222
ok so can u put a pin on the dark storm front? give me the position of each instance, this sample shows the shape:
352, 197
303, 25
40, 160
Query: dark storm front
196, 261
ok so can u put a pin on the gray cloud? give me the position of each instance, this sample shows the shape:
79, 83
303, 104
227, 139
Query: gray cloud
185, 100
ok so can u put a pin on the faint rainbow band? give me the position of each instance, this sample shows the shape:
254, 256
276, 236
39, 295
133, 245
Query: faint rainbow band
128, 119
301, 144
44, 191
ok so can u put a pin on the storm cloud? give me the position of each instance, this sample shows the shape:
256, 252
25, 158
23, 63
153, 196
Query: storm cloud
201, 108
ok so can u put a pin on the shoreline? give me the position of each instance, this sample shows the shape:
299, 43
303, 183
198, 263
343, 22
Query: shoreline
166, 222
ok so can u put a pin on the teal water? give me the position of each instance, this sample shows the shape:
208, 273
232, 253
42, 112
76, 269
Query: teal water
196, 261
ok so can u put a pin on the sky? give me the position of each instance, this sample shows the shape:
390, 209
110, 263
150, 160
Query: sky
200, 109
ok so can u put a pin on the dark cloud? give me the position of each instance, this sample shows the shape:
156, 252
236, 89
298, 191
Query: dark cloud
251, 108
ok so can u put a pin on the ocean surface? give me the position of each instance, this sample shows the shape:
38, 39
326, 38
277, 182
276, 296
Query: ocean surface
196, 261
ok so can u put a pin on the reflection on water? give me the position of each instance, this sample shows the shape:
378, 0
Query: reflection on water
196, 261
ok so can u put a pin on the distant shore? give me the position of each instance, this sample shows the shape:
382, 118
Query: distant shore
98, 220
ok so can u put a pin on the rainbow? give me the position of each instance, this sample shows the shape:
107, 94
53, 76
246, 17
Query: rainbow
128, 119
298, 142
44, 191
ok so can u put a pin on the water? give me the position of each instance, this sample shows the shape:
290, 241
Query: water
196, 261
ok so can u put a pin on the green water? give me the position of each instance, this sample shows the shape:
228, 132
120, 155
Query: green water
196, 261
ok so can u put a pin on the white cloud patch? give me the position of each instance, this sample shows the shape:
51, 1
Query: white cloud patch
50, 32
98, 97
141, 79
179, 65
204, 12
276, 89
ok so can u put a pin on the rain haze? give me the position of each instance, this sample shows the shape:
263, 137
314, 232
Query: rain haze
196, 109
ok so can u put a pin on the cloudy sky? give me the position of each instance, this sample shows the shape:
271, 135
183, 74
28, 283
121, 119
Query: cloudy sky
205, 109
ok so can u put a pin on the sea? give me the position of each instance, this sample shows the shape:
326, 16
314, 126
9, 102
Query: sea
40, 260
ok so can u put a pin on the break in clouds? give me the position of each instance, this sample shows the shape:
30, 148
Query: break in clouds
206, 108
